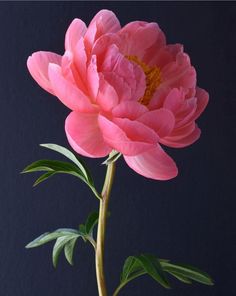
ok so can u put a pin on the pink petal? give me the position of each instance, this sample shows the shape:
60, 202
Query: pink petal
138, 36
117, 138
130, 109
84, 135
162, 55
80, 58
202, 101
136, 131
186, 112
107, 97
66, 65
105, 21
75, 31
182, 142
158, 98
67, 92
123, 74
161, 120
121, 86
182, 132
70, 71
38, 67
154, 164
174, 100
103, 44
179, 73
93, 78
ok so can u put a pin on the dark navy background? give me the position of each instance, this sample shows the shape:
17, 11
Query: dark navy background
189, 219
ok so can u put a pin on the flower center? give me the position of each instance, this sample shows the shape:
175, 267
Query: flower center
153, 79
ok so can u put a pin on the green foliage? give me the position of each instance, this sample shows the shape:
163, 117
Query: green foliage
66, 239
75, 168
136, 266
187, 272
91, 222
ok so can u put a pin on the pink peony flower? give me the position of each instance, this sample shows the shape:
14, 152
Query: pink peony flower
128, 91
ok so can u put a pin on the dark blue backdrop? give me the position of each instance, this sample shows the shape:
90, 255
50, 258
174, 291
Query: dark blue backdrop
190, 218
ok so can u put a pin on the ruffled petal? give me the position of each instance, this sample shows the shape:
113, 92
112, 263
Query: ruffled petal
174, 100
126, 77
154, 164
182, 132
105, 21
67, 92
93, 78
202, 101
107, 97
38, 67
162, 121
80, 59
179, 73
160, 55
130, 109
184, 141
76, 30
84, 135
70, 71
138, 36
123, 140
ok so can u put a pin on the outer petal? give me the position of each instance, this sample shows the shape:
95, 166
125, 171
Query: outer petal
153, 164
161, 120
84, 135
104, 22
75, 31
180, 142
179, 73
38, 67
130, 109
202, 101
121, 140
67, 92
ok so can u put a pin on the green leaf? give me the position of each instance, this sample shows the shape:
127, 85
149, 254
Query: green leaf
113, 156
56, 167
67, 153
66, 238
43, 178
131, 269
58, 247
188, 272
92, 220
69, 250
153, 268
49, 236
136, 266
180, 278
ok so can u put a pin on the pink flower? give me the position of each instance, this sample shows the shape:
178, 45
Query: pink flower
128, 91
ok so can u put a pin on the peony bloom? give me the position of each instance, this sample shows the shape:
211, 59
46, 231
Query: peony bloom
128, 91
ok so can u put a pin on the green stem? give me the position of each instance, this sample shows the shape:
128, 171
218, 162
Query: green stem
99, 257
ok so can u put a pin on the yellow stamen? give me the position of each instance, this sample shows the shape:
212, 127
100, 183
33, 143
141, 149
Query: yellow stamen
153, 79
